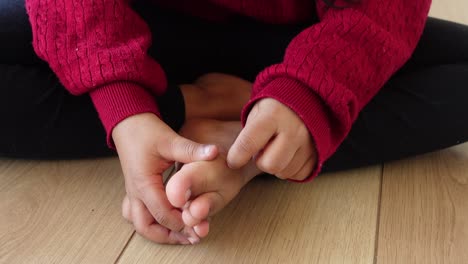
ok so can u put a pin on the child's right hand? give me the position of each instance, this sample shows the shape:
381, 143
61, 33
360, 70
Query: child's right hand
146, 148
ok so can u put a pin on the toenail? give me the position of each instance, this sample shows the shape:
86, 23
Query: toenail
193, 240
182, 239
197, 229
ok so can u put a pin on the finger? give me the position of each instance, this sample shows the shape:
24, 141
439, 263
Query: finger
185, 151
301, 156
255, 135
144, 224
126, 209
277, 155
306, 170
155, 199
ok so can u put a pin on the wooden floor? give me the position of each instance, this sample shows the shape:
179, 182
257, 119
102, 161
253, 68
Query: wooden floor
410, 211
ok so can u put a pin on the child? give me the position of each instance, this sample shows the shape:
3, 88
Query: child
341, 79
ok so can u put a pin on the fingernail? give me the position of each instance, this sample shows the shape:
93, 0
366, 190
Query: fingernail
207, 150
188, 193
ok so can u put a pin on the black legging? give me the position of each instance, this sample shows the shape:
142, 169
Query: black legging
421, 109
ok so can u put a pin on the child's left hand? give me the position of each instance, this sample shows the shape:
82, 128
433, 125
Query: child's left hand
279, 141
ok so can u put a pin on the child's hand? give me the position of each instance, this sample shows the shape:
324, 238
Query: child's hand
147, 147
278, 139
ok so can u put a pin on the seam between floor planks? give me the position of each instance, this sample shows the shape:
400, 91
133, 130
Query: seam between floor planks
379, 206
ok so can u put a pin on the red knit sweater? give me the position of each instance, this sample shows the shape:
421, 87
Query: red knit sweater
329, 72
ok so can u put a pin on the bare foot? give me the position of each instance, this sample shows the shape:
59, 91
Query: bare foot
216, 96
202, 189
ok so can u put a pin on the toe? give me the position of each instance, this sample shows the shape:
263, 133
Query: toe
207, 205
178, 188
188, 219
191, 235
191, 180
126, 209
202, 229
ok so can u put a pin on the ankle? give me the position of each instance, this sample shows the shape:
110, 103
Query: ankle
216, 98
193, 101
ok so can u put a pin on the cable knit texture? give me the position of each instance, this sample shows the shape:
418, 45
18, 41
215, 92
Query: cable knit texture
329, 73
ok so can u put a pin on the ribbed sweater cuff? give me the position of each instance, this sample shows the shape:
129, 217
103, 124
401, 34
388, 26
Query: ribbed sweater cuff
116, 101
307, 105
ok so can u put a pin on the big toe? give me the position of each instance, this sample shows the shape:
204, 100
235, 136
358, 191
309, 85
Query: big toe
178, 189
190, 181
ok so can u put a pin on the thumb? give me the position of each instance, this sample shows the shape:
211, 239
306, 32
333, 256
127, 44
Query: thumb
185, 151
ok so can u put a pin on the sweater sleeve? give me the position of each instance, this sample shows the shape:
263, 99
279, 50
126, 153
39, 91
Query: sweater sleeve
332, 69
100, 48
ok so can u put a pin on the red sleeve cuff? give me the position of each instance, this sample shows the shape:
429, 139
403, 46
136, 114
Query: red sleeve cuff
116, 101
308, 106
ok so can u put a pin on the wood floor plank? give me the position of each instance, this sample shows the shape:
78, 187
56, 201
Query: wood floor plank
61, 212
424, 209
332, 220
453, 10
